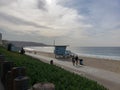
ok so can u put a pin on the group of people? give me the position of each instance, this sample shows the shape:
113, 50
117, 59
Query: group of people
76, 60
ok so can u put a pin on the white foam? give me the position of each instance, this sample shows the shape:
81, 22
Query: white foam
42, 49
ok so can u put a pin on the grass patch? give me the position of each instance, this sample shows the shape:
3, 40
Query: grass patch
42, 72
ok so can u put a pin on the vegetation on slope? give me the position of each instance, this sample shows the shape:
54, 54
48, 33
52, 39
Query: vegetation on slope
42, 72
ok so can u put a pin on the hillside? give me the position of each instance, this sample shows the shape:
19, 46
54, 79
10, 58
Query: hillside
23, 43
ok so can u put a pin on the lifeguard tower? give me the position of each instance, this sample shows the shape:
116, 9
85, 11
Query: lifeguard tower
60, 51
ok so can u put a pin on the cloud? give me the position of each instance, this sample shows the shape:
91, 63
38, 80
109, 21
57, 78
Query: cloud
41, 4
43, 16
82, 22
5, 2
18, 21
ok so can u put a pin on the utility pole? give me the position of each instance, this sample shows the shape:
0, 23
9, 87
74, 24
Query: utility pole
54, 43
0, 38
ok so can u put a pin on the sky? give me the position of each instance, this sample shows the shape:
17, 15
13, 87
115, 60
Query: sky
71, 22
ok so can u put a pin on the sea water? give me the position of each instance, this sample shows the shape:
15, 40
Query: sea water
97, 52
48, 49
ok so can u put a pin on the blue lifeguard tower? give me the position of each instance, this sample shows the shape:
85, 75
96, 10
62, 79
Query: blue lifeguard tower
60, 50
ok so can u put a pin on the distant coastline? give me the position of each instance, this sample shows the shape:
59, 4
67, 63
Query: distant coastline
23, 43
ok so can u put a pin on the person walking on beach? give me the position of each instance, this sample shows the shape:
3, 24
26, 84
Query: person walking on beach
73, 61
76, 60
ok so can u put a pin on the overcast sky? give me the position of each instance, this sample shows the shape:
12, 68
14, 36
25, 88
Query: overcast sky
72, 22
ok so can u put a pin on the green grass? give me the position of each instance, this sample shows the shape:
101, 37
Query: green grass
42, 72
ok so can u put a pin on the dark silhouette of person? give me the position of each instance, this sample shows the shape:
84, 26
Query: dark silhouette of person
73, 61
22, 51
81, 61
9, 48
76, 60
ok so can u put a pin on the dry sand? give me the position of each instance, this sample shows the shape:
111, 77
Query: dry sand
106, 64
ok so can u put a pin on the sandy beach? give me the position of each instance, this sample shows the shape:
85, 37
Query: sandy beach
104, 71
105, 64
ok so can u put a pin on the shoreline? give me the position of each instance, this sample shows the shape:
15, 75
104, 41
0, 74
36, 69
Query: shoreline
116, 58
105, 64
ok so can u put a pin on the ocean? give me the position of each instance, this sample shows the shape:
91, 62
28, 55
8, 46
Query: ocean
97, 52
